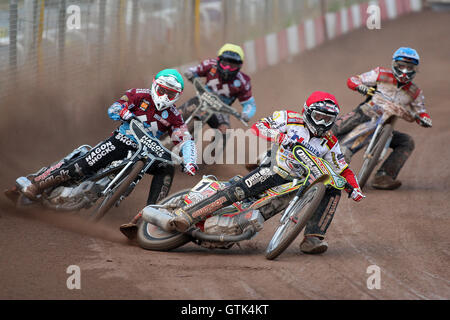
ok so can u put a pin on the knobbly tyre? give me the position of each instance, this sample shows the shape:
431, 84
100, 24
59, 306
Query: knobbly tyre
111, 185
243, 219
209, 104
376, 134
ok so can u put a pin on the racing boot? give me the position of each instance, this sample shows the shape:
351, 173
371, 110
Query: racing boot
313, 244
34, 186
130, 229
383, 181
29, 188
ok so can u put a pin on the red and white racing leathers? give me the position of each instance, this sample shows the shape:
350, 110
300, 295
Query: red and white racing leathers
290, 124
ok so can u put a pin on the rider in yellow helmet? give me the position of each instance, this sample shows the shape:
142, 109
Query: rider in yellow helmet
223, 77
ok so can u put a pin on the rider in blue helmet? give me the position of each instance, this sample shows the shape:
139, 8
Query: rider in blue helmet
404, 64
397, 84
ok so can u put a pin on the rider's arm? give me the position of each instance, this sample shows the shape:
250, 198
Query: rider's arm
126, 101
179, 134
367, 79
203, 68
246, 98
270, 128
336, 158
418, 106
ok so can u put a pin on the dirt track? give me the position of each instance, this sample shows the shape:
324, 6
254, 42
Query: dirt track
405, 233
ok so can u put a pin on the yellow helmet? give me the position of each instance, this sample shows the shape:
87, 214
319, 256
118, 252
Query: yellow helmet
230, 61
232, 48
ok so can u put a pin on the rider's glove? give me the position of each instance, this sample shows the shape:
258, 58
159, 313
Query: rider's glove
245, 117
189, 75
425, 120
190, 168
284, 140
357, 195
125, 114
365, 90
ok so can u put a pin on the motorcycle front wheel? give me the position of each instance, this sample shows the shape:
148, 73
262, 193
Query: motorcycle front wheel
373, 158
300, 214
113, 196
151, 237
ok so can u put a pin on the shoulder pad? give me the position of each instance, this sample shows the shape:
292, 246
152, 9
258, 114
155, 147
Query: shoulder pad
294, 117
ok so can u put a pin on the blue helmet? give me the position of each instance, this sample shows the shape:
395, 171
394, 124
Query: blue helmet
404, 64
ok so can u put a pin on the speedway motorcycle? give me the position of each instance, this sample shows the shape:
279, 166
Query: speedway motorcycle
376, 134
209, 104
109, 185
297, 199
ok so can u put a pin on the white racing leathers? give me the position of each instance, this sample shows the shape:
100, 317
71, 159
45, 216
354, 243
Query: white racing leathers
408, 95
291, 124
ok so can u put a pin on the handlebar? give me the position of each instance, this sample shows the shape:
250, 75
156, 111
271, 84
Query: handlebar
201, 89
349, 187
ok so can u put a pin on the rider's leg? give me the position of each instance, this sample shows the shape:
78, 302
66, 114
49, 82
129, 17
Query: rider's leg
159, 189
347, 123
253, 184
385, 178
220, 122
114, 148
161, 183
314, 235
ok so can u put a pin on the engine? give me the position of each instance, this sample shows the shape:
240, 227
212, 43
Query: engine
76, 197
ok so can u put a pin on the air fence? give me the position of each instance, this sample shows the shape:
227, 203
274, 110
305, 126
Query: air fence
66, 42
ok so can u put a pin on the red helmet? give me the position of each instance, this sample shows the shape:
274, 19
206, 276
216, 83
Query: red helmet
320, 112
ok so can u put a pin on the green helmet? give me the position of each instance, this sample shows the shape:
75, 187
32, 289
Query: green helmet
167, 87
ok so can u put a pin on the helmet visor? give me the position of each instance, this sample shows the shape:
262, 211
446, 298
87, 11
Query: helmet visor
162, 90
229, 65
322, 118
405, 67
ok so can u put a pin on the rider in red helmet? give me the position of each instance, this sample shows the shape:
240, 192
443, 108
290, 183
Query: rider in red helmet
287, 128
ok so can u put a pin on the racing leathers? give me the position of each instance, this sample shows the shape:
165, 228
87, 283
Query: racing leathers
237, 88
280, 127
407, 95
121, 142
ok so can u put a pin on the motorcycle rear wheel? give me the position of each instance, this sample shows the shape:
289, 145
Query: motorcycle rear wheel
296, 222
371, 162
151, 237
111, 198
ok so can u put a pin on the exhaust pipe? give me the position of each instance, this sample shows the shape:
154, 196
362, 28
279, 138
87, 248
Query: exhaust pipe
157, 217
247, 234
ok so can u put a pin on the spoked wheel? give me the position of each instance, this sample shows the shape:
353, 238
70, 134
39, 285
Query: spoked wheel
289, 229
372, 160
151, 237
115, 193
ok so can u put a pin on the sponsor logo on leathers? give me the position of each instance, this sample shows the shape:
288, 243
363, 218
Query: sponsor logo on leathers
258, 177
209, 208
48, 171
152, 145
99, 153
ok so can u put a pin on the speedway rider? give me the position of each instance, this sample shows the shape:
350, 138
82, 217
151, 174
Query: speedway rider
155, 107
287, 128
223, 77
397, 84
